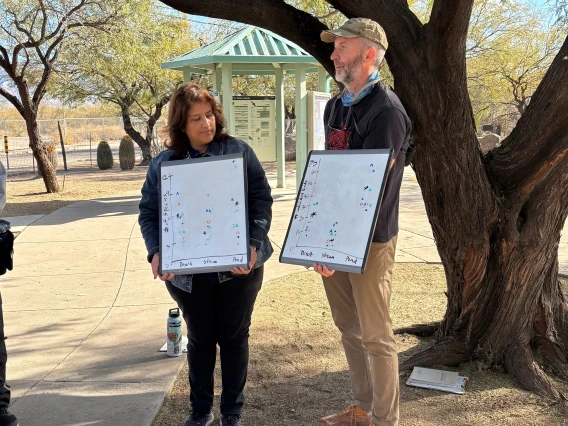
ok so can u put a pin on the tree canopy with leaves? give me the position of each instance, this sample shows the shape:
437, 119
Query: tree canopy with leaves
509, 48
496, 217
122, 67
33, 33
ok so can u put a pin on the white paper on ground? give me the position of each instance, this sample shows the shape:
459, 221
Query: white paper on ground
447, 381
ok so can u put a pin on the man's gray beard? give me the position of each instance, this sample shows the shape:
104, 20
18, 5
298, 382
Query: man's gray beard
349, 71
348, 78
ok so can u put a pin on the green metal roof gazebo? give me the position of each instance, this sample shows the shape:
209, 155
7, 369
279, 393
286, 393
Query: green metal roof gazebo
256, 51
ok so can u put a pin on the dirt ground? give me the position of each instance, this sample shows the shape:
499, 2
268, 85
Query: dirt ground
26, 193
298, 373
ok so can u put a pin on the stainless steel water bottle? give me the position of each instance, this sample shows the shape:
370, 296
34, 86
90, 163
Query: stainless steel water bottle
174, 333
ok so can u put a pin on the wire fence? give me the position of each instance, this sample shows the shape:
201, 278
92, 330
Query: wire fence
290, 127
81, 137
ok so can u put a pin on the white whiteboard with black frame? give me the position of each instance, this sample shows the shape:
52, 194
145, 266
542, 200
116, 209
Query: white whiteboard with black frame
336, 209
203, 215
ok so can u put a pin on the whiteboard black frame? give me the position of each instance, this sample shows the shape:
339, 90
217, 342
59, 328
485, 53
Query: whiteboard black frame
189, 162
336, 266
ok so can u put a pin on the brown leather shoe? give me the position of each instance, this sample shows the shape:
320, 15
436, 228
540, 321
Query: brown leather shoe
352, 416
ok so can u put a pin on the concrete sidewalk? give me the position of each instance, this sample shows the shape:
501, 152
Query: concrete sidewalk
85, 319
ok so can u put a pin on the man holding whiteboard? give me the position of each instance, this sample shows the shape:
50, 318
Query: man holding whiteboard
367, 115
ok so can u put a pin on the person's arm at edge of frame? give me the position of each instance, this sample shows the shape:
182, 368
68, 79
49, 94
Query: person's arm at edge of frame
3, 176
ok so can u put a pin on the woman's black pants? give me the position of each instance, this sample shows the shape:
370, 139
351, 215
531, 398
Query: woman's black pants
218, 313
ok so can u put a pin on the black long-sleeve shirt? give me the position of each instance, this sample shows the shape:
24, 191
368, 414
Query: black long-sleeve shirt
377, 121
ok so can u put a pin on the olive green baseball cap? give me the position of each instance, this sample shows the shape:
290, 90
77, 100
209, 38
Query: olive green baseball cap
358, 27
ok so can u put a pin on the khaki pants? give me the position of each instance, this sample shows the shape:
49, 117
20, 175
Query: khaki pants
360, 309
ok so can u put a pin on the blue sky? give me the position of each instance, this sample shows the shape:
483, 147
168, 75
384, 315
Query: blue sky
541, 3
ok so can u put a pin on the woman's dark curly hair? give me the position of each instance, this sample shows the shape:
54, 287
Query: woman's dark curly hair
181, 101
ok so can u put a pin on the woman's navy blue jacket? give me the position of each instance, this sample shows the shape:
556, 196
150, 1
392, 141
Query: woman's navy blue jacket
259, 205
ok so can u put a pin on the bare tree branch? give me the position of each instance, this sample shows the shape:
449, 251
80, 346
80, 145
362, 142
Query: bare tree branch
44, 15
26, 63
53, 47
40, 89
297, 26
329, 15
13, 100
144, 111
20, 28
4, 58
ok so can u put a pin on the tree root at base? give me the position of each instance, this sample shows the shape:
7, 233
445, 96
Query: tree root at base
520, 363
449, 352
422, 330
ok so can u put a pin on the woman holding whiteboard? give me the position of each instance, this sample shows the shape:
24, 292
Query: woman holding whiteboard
217, 307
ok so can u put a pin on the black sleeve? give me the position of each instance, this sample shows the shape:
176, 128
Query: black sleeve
387, 130
327, 111
149, 217
259, 200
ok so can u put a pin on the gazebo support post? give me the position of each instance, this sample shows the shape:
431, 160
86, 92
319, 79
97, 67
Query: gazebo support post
280, 130
227, 95
301, 122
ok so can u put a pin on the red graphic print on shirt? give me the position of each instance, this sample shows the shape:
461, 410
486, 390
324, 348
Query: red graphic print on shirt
338, 139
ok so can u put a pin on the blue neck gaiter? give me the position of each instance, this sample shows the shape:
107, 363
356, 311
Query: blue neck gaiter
348, 99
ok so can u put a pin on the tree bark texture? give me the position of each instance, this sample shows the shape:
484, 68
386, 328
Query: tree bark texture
144, 142
39, 152
496, 218
27, 107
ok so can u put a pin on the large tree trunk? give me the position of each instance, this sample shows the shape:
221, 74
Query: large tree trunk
496, 218
39, 151
145, 143
154, 119
27, 107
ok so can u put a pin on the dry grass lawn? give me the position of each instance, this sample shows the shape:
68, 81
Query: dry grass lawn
298, 372
27, 196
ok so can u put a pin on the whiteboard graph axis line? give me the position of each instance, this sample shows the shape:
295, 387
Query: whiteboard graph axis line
171, 219
309, 205
294, 211
328, 249
209, 257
